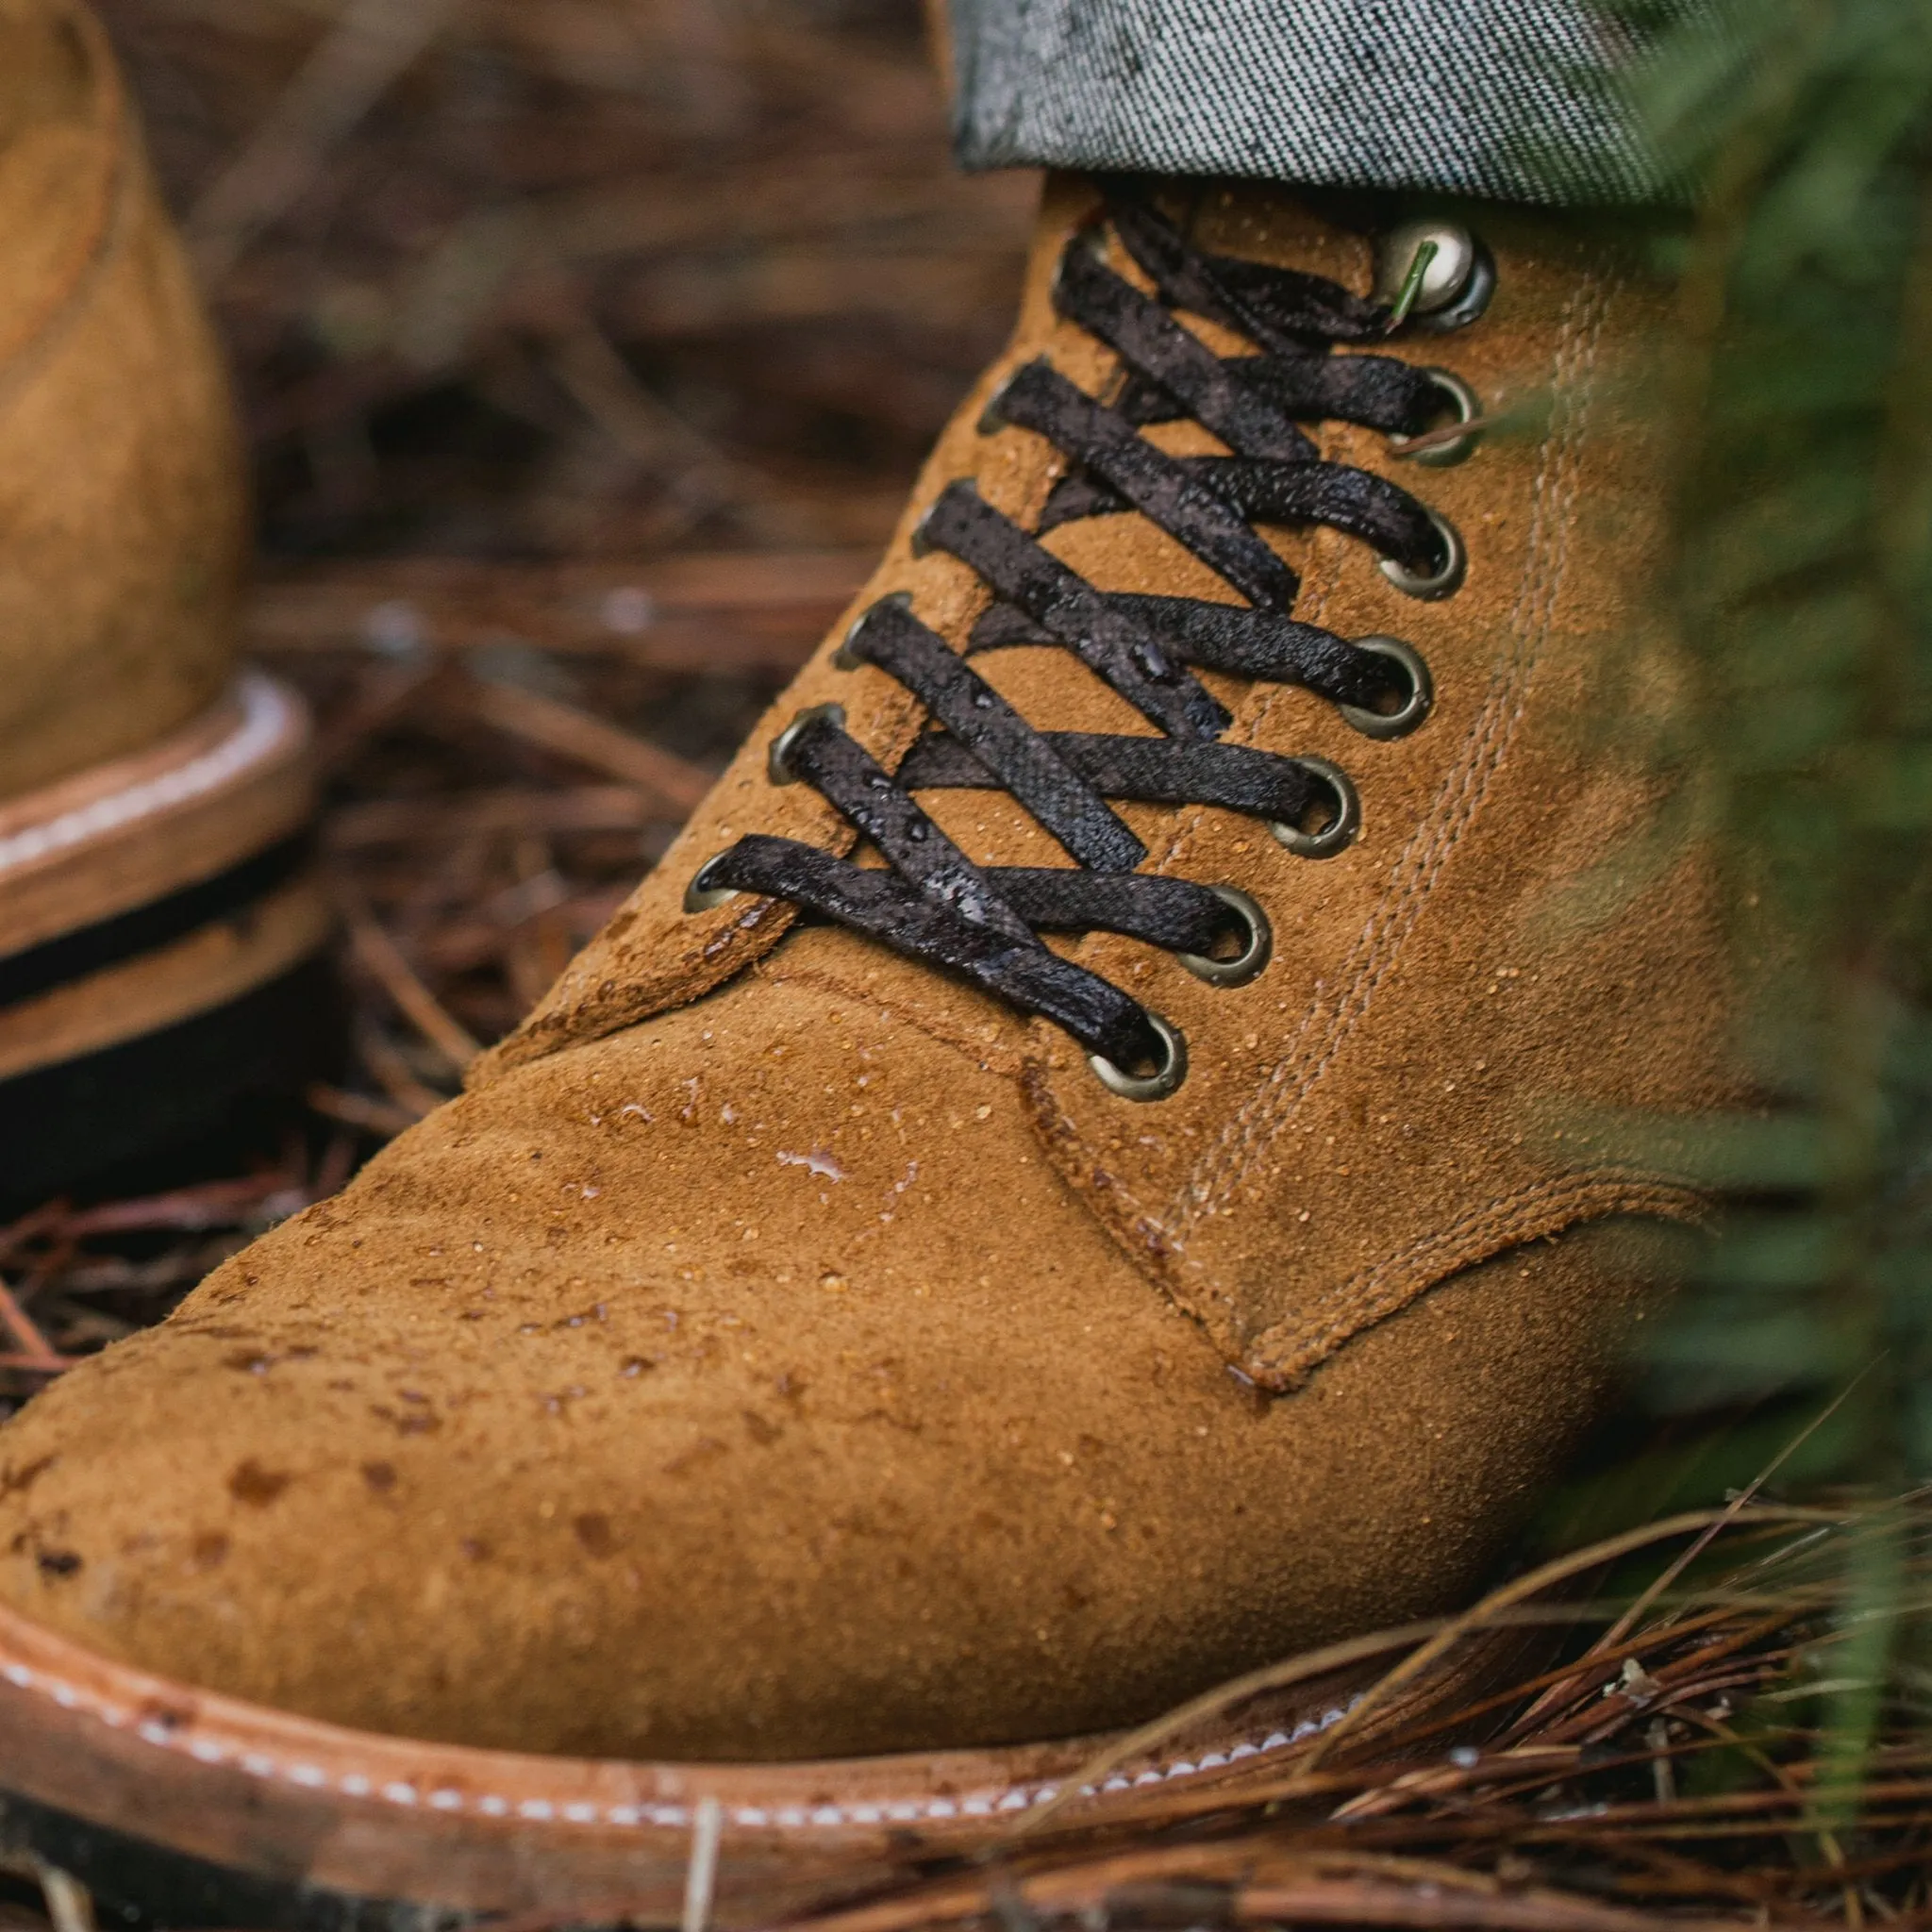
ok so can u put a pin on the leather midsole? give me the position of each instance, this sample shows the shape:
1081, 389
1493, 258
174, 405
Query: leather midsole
236, 779
270, 1794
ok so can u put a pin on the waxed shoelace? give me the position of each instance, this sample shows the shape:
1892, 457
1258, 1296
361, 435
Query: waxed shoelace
928, 900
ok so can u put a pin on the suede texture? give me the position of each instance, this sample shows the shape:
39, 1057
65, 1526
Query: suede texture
783, 1352
121, 517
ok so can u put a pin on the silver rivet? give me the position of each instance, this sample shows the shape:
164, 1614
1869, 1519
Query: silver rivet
1455, 282
1256, 948
1166, 1076
1445, 274
1412, 710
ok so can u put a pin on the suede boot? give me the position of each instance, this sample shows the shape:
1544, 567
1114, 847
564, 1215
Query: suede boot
155, 893
965, 1261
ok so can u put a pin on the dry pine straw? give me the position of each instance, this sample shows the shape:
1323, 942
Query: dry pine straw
586, 348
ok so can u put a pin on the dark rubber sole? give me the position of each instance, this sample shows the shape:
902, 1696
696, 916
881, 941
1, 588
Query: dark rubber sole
148, 1887
64, 1124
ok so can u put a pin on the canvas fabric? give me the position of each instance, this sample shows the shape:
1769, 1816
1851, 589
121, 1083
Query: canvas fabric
1521, 100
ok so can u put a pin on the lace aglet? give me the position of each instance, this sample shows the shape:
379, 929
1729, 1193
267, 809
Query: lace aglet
1411, 285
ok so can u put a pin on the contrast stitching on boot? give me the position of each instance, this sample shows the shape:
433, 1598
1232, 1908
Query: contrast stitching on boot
1154, 1233
409, 1795
267, 718
1326, 1026
984, 924
1282, 1356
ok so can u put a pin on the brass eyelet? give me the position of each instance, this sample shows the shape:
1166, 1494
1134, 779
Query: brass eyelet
845, 657
1466, 407
1257, 949
1413, 709
699, 898
1431, 587
777, 760
991, 418
1165, 1078
1340, 832
920, 543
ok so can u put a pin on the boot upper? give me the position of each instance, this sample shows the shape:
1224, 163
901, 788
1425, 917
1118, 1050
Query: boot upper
1512, 948
785, 1350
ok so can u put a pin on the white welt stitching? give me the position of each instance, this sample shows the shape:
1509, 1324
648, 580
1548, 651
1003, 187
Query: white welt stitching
671, 1817
265, 719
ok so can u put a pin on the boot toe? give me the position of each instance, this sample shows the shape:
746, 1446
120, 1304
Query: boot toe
626, 1439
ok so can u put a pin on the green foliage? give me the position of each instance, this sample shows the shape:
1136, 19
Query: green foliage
1799, 389
1801, 380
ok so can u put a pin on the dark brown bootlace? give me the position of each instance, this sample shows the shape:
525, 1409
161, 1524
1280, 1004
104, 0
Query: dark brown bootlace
929, 901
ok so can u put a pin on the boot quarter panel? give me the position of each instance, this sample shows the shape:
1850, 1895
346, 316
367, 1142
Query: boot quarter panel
1377, 1111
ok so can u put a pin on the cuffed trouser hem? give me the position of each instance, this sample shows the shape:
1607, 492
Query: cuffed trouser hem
1517, 100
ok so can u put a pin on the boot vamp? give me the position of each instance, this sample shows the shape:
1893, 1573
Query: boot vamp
748, 1384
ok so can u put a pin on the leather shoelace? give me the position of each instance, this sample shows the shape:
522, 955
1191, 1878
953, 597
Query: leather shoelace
928, 900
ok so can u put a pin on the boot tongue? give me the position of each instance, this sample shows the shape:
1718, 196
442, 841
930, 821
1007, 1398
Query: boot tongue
1047, 684
1125, 553
656, 955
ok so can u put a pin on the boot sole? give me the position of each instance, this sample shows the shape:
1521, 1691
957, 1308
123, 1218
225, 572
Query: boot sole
156, 912
178, 1806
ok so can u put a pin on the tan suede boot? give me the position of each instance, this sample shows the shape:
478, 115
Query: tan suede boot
892, 1334
154, 896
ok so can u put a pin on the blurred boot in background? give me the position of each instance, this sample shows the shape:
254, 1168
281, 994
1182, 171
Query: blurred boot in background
157, 907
